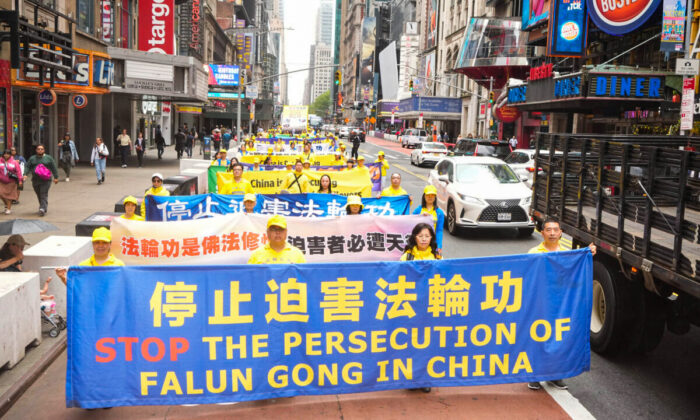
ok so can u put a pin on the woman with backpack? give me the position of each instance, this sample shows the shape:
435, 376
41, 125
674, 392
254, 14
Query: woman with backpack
43, 168
98, 159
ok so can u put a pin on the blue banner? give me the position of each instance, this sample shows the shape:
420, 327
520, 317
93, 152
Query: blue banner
568, 29
208, 334
189, 207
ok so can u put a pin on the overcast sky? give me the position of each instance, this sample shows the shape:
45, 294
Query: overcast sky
300, 15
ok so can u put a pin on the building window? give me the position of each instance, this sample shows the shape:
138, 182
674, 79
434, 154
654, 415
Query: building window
86, 16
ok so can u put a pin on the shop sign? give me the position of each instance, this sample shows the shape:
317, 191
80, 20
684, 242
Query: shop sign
195, 43
107, 14
687, 103
625, 86
223, 75
156, 26
517, 94
47, 97
617, 17
165, 108
79, 101
81, 71
103, 73
482, 109
568, 28
149, 104
673, 26
224, 95
506, 114
148, 84
567, 87
541, 72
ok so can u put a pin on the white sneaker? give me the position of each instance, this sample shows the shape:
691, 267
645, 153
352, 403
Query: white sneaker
7, 211
67, 179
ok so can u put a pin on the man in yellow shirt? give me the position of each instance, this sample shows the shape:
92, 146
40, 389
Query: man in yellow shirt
130, 204
395, 188
307, 154
156, 189
296, 182
361, 169
239, 185
277, 250
385, 164
101, 244
551, 235
249, 201
339, 161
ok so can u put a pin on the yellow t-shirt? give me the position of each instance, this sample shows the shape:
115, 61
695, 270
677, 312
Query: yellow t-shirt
233, 187
134, 217
153, 191
307, 156
419, 255
540, 249
301, 186
391, 192
385, 165
112, 260
266, 255
432, 214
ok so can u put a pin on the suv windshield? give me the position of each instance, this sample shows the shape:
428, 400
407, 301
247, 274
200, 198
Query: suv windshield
422, 133
517, 157
493, 173
491, 150
434, 146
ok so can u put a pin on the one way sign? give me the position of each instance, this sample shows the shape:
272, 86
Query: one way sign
687, 66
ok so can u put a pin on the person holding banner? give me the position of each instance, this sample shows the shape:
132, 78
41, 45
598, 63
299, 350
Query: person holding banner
421, 245
350, 163
156, 189
296, 182
239, 185
307, 154
220, 159
231, 164
354, 205
339, 161
394, 189
361, 169
551, 235
256, 165
101, 244
277, 250
428, 207
384, 162
324, 185
130, 204
249, 202
307, 165
289, 167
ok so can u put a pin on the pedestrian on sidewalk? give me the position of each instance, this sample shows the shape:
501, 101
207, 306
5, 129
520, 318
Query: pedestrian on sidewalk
124, 142
68, 155
180, 140
10, 179
98, 159
140, 145
160, 142
43, 168
22, 162
189, 143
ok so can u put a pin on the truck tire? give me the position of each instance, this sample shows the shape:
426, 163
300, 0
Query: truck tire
648, 328
608, 324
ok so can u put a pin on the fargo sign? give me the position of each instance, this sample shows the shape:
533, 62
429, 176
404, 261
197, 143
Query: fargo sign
157, 26
618, 17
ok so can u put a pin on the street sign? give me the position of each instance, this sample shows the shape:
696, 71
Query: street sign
687, 103
251, 91
687, 66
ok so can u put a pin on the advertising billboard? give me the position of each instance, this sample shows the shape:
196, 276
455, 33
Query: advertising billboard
618, 17
369, 25
568, 28
157, 26
673, 26
431, 39
535, 11
295, 116
223, 75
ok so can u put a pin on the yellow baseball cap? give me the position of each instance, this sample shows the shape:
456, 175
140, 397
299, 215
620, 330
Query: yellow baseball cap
278, 221
360, 158
222, 151
429, 189
131, 199
381, 153
249, 197
101, 234
355, 199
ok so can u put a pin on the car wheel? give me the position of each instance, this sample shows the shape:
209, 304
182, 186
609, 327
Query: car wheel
452, 219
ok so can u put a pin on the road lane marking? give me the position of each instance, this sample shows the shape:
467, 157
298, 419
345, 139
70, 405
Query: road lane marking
568, 403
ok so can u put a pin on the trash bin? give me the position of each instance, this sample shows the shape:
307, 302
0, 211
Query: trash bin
186, 184
92, 222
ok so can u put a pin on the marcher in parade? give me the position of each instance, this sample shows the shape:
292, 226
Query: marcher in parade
124, 142
429, 207
98, 159
421, 245
385, 164
12, 253
101, 257
307, 154
324, 185
156, 189
361, 169
140, 146
551, 235
339, 161
296, 182
256, 165
350, 163
268, 161
306, 165
239, 185
220, 159
130, 205
249, 201
277, 250
231, 164
395, 189
10, 180
43, 168
354, 205
289, 166
68, 155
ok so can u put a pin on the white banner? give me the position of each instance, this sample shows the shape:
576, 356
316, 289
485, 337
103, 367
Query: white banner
230, 239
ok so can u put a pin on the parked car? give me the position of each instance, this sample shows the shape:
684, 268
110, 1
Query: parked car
428, 152
522, 161
413, 136
344, 132
448, 143
481, 192
482, 147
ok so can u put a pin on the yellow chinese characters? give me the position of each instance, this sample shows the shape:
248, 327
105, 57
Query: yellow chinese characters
290, 304
400, 305
177, 304
506, 284
451, 298
235, 299
341, 300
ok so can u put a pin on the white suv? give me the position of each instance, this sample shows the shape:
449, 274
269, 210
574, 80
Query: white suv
413, 136
481, 192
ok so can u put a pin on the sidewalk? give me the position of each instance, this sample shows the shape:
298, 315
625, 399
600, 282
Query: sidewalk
69, 203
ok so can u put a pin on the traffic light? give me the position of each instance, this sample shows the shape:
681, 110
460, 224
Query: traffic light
491, 97
337, 77
410, 85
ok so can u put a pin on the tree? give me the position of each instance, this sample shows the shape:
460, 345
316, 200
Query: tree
321, 105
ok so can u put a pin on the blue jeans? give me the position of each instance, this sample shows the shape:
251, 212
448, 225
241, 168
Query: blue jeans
100, 165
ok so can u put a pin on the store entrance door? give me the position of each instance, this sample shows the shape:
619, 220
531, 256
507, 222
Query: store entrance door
31, 125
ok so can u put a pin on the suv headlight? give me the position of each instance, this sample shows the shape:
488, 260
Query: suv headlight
471, 200
526, 201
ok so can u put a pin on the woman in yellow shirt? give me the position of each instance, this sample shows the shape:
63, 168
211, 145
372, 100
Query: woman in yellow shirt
130, 204
325, 185
421, 245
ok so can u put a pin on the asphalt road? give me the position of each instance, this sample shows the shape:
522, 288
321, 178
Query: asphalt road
661, 384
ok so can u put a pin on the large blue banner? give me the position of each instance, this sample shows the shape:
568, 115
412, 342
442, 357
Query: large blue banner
190, 207
210, 334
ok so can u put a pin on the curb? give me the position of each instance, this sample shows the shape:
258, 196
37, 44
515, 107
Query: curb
15, 392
